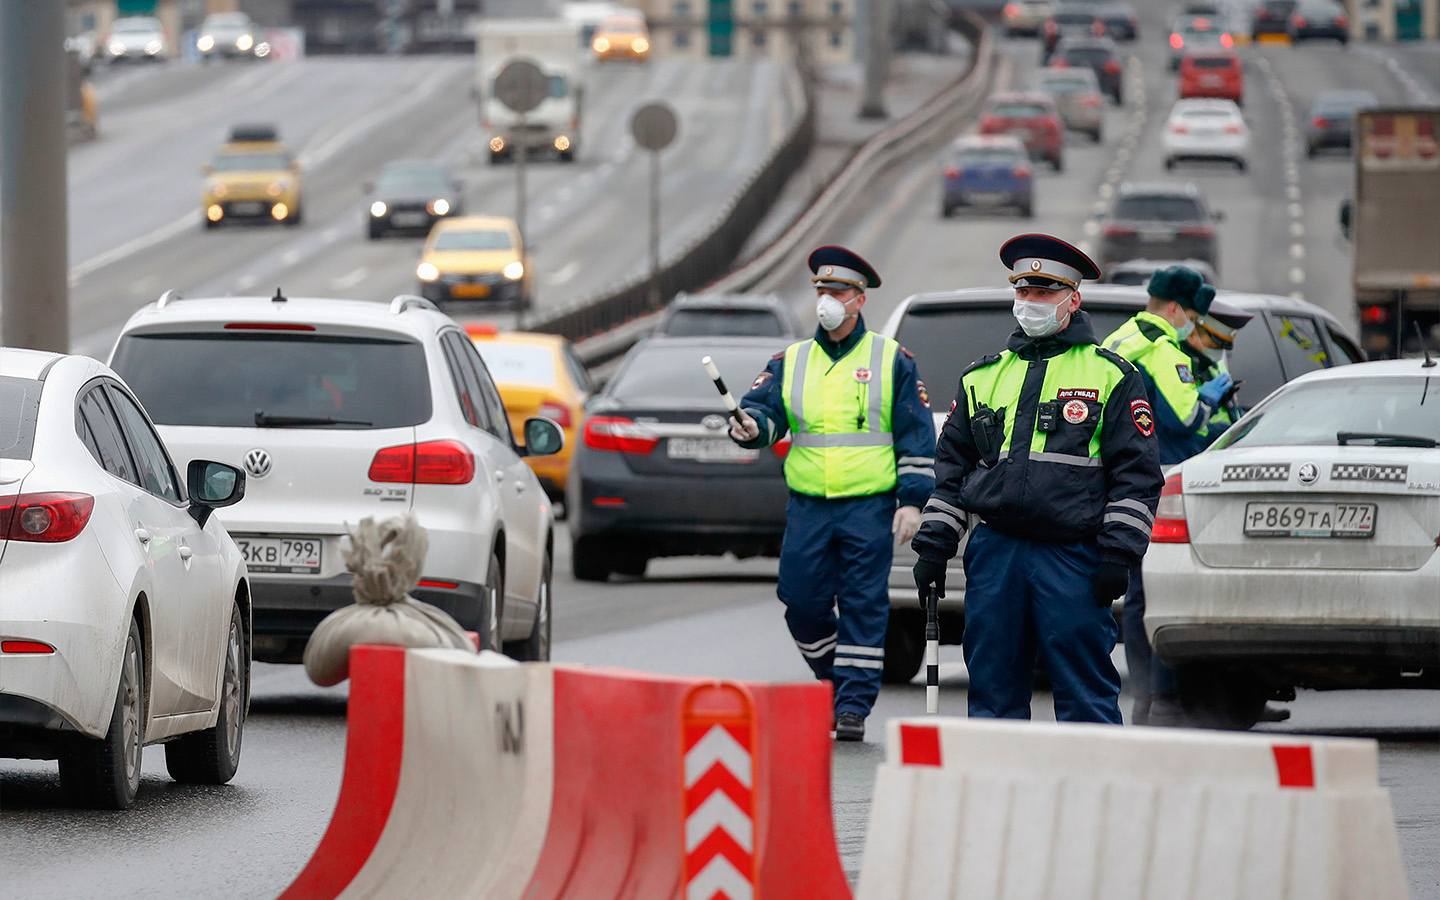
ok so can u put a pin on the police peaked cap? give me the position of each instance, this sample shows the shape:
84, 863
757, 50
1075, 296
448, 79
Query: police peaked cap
1221, 319
840, 268
1181, 284
1042, 261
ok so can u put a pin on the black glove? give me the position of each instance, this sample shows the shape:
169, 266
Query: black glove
929, 572
1112, 579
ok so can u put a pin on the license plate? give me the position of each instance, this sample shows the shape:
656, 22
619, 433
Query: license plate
705, 450
247, 208
470, 290
1152, 235
1211, 81
409, 219
1340, 520
298, 555
985, 197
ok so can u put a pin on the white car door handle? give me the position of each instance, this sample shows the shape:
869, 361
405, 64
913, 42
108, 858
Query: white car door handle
186, 553
142, 535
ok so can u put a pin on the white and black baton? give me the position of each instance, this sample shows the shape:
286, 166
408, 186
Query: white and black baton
932, 650
714, 373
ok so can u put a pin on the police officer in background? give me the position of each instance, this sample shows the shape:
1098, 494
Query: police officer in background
1050, 445
1158, 340
1208, 346
860, 464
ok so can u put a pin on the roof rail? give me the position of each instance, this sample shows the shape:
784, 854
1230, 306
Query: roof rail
167, 298
403, 302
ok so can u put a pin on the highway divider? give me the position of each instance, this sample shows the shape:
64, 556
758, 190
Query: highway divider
990, 809
477, 777
599, 324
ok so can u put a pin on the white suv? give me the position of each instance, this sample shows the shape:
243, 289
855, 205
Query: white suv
340, 409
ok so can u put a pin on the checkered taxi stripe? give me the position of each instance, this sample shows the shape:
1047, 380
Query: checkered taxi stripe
1276, 472
1364, 472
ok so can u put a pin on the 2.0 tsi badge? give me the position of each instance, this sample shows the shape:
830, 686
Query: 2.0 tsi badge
257, 463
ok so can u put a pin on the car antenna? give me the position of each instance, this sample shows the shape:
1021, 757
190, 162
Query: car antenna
279, 297
1428, 363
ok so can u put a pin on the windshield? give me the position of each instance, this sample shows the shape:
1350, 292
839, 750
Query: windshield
668, 373
1399, 406
743, 322
456, 239
1164, 208
518, 363
227, 20
1018, 110
19, 406
136, 26
251, 162
980, 155
413, 180
223, 380
1066, 85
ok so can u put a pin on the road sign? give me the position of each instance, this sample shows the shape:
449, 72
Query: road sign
654, 126
521, 86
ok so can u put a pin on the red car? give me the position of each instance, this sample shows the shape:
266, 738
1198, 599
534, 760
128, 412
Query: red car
1212, 72
1032, 117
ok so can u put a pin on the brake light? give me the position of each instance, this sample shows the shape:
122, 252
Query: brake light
1178, 128
1201, 24
1112, 67
556, 412
619, 435
1050, 28
953, 171
1297, 21
1170, 526
1118, 231
1319, 122
25, 647
1177, 41
1375, 315
1097, 28
49, 518
1226, 40
1232, 128
781, 447
266, 326
1021, 171
1197, 231
481, 329
432, 462
1060, 64
987, 124
1263, 14
433, 583
1342, 22
1011, 10
1090, 100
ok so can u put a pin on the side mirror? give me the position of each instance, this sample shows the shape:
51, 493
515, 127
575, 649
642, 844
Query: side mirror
1347, 209
212, 485
542, 437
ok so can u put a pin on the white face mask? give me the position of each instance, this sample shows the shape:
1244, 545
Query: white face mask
1038, 319
1184, 331
830, 312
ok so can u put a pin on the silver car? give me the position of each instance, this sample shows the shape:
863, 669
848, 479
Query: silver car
1077, 96
230, 34
136, 38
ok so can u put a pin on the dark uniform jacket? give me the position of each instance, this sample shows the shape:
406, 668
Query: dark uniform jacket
911, 422
1051, 496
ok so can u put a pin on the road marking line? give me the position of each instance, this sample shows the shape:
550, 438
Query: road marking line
246, 282
1297, 251
565, 273
564, 195
1099, 207
289, 257
1297, 275
1084, 247
1297, 229
1297, 295
1293, 192
350, 279
134, 245
1107, 190
1296, 210
547, 212
1091, 227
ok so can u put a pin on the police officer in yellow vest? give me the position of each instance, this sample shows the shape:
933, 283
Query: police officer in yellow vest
860, 464
1207, 347
1049, 449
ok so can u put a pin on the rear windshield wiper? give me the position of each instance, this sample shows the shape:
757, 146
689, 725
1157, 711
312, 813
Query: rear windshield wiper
1382, 439
264, 420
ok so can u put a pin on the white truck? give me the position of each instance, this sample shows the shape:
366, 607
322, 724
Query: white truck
553, 127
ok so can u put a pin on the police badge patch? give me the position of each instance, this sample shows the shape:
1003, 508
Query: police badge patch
925, 395
760, 380
862, 375
1144, 419
1186, 376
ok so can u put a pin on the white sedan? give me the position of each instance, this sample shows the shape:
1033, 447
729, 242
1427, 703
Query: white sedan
1206, 129
126, 606
1303, 548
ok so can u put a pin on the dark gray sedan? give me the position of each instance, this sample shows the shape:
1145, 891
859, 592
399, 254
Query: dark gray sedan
655, 472
1332, 119
411, 196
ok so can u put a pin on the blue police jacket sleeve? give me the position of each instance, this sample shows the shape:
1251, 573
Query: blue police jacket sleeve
1177, 440
913, 428
765, 402
1132, 471
943, 520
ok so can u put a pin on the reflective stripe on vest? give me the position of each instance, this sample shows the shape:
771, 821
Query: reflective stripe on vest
839, 413
1160, 359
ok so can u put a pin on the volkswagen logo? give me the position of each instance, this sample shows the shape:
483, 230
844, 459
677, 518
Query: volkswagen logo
713, 422
1308, 473
257, 463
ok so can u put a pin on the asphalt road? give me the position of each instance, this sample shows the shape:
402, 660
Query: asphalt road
715, 617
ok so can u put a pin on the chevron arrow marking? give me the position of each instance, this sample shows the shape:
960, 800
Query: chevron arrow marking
717, 746
720, 878
719, 811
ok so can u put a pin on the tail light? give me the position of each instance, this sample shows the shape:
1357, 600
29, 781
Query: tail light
1177, 41
781, 447
1021, 171
556, 412
1097, 28
1060, 64
988, 124
432, 462
1297, 21
1050, 28
1170, 526
1090, 100
1263, 13
953, 171
1011, 10
1197, 231
25, 647
1226, 40
1179, 128
619, 435
1118, 231
1112, 67
1232, 128
1374, 315
1342, 22
45, 518
1320, 122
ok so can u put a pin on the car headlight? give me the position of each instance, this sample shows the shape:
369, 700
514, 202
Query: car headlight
206, 43
244, 42
262, 49
440, 207
562, 143
601, 45
378, 208
117, 49
640, 45
152, 48
427, 271
514, 270
497, 144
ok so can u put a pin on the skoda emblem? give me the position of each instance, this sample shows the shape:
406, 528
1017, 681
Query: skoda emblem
1308, 473
713, 422
257, 463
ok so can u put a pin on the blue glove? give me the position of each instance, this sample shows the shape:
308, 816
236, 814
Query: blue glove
1214, 389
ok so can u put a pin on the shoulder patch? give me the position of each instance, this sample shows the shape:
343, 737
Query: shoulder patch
1143, 418
1120, 362
760, 380
906, 352
778, 356
981, 363
924, 394
1183, 371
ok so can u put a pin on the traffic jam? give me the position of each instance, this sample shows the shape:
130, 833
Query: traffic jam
1138, 430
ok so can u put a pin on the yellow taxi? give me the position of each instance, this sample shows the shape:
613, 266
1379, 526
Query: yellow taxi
621, 37
475, 258
537, 375
252, 177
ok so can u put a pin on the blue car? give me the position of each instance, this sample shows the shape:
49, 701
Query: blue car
987, 171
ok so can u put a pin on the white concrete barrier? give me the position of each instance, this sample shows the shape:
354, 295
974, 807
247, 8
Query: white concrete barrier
966, 809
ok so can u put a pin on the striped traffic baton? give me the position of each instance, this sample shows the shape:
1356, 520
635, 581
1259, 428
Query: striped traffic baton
932, 649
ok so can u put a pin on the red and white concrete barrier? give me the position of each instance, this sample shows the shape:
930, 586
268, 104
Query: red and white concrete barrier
973, 809
475, 777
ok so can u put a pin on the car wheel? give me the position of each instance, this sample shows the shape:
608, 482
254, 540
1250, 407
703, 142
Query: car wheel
1027, 211
589, 560
1057, 163
212, 756
105, 772
536, 648
567, 156
904, 646
1095, 137
497, 158
1309, 151
493, 613
946, 211
209, 224
1216, 697
297, 218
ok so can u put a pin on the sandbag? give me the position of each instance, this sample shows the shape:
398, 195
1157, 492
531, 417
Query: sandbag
386, 559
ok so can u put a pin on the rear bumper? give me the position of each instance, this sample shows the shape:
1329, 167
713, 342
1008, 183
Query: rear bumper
1301, 646
1207, 149
676, 515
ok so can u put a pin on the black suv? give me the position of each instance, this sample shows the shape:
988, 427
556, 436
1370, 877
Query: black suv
1271, 17
1164, 220
947, 330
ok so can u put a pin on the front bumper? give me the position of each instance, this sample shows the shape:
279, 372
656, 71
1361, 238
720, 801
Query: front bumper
467, 287
257, 208
1228, 147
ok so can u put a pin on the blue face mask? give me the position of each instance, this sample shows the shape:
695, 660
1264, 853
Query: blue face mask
1184, 331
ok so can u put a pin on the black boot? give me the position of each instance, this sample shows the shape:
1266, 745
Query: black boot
849, 726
